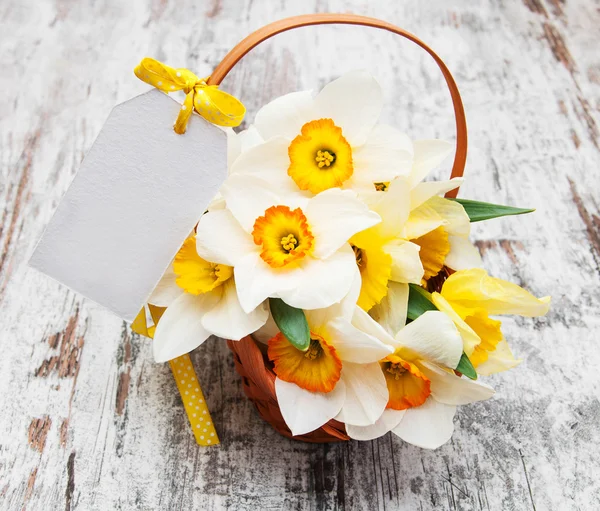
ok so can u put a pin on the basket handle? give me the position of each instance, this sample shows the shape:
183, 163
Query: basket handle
268, 31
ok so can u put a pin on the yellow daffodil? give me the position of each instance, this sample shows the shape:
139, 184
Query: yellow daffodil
441, 228
201, 300
383, 254
470, 297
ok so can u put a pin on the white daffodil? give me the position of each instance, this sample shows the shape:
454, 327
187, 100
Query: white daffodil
330, 140
423, 388
201, 300
284, 246
338, 376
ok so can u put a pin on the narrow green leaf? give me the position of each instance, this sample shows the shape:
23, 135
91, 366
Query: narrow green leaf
419, 302
292, 323
479, 211
465, 367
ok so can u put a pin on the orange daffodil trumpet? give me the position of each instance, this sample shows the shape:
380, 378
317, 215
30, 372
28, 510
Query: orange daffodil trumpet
326, 215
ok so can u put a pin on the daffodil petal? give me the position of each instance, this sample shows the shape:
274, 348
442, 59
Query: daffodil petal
234, 146
249, 138
267, 331
166, 291
428, 154
469, 337
256, 281
220, 238
334, 216
389, 420
463, 254
217, 203
475, 288
391, 312
424, 191
393, 207
310, 284
458, 222
180, 328
238, 143
354, 345
269, 162
318, 318
348, 303
366, 394
428, 426
354, 102
386, 154
227, 319
248, 197
286, 115
305, 411
406, 263
448, 388
501, 359
369, 326
433, 337
422, 220
318, 283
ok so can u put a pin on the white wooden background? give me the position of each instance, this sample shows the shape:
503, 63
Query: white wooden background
88, 421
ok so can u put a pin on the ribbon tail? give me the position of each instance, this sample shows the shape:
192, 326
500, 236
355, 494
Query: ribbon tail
184, 114
193, 401
186, 380
140, 324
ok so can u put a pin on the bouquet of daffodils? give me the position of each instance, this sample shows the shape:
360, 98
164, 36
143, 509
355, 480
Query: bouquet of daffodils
351, 271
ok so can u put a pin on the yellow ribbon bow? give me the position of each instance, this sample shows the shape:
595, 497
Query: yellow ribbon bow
211, 103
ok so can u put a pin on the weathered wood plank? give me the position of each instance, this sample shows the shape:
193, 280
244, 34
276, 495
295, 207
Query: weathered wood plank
90, 422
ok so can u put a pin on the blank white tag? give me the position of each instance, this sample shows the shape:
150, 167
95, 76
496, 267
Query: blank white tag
138, 194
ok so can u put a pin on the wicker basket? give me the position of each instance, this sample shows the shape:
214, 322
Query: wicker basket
251, 363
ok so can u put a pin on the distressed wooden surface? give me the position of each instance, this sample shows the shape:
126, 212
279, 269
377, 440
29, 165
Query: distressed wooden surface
88, 421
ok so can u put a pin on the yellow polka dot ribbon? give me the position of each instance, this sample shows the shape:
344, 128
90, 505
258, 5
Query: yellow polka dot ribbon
193, 400
186, 380
213, 104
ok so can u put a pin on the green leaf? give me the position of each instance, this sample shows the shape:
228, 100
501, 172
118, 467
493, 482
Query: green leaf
419, 302
465, 367
292, 323
479, 211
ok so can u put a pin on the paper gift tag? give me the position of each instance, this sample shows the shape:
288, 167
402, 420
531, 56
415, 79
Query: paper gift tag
139, 192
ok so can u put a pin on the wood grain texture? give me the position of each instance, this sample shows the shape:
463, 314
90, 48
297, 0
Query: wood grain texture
88, 421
